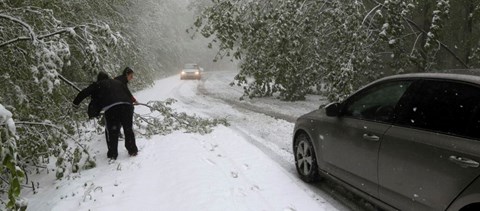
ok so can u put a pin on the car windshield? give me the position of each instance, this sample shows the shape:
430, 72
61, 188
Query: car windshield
190, 70
190, 66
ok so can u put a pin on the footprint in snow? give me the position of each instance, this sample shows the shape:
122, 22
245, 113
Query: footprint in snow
211, 162
210, 147
255, 188
213, 147
234, 174
289, 209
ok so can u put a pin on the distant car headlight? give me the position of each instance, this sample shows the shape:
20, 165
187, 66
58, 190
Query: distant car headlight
183, 72
196, 73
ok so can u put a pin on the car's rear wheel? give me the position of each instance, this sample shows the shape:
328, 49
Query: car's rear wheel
305, 159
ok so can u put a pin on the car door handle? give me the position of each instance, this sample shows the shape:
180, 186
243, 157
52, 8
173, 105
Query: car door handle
370, 137
464, 162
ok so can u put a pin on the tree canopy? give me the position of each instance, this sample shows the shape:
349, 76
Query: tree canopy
291, 48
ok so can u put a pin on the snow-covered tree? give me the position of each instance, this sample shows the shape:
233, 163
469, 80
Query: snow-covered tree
288, 47
51, 48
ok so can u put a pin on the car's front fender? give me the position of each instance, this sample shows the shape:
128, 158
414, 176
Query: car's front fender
307, 124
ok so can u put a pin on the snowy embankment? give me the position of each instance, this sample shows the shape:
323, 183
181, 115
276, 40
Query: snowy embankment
247, 166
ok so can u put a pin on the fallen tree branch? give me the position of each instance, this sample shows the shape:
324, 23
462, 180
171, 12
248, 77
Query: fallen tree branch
152, 108
170, 120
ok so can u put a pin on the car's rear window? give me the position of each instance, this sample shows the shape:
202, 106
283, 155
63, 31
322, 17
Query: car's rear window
445, 107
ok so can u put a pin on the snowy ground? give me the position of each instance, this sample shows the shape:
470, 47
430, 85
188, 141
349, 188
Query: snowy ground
246, 166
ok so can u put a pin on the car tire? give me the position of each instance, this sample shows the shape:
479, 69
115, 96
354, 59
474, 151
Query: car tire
305, 159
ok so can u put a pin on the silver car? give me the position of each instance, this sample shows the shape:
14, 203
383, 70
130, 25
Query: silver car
191, 71
407, 142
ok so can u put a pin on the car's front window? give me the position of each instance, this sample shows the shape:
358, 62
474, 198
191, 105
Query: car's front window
377, 102
191, 66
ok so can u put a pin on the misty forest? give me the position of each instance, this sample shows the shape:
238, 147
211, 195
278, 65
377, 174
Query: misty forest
282, 48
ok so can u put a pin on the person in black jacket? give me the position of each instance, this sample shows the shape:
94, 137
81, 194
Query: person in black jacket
93, 107
114, 98
127, 76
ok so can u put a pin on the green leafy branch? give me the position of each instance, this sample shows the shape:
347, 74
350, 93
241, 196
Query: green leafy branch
164, 120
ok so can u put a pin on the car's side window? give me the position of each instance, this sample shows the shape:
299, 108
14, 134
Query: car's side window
377, 102
442, 106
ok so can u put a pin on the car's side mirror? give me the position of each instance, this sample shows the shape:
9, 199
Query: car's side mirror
332, 109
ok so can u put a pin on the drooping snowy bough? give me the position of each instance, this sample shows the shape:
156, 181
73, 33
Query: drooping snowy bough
8, 162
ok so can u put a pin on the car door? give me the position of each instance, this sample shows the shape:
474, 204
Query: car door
430, 153
351, 144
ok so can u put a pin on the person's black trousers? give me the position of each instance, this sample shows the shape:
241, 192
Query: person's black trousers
116, 117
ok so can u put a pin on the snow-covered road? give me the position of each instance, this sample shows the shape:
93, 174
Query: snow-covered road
246, 166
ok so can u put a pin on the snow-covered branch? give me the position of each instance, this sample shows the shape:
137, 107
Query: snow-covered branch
28, 27
14, 40
39, 124
6, 119
170, 120
368, 14
68, 82
65, 30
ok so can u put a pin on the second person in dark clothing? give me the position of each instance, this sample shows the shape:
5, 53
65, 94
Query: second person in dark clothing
114, 98
127, 76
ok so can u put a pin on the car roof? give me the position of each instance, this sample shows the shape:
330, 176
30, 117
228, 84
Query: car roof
190, 65
472, 76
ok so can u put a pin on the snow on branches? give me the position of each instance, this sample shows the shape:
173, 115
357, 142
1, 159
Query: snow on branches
6, 119
12, 174
163, 120
289, 47
51, 41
